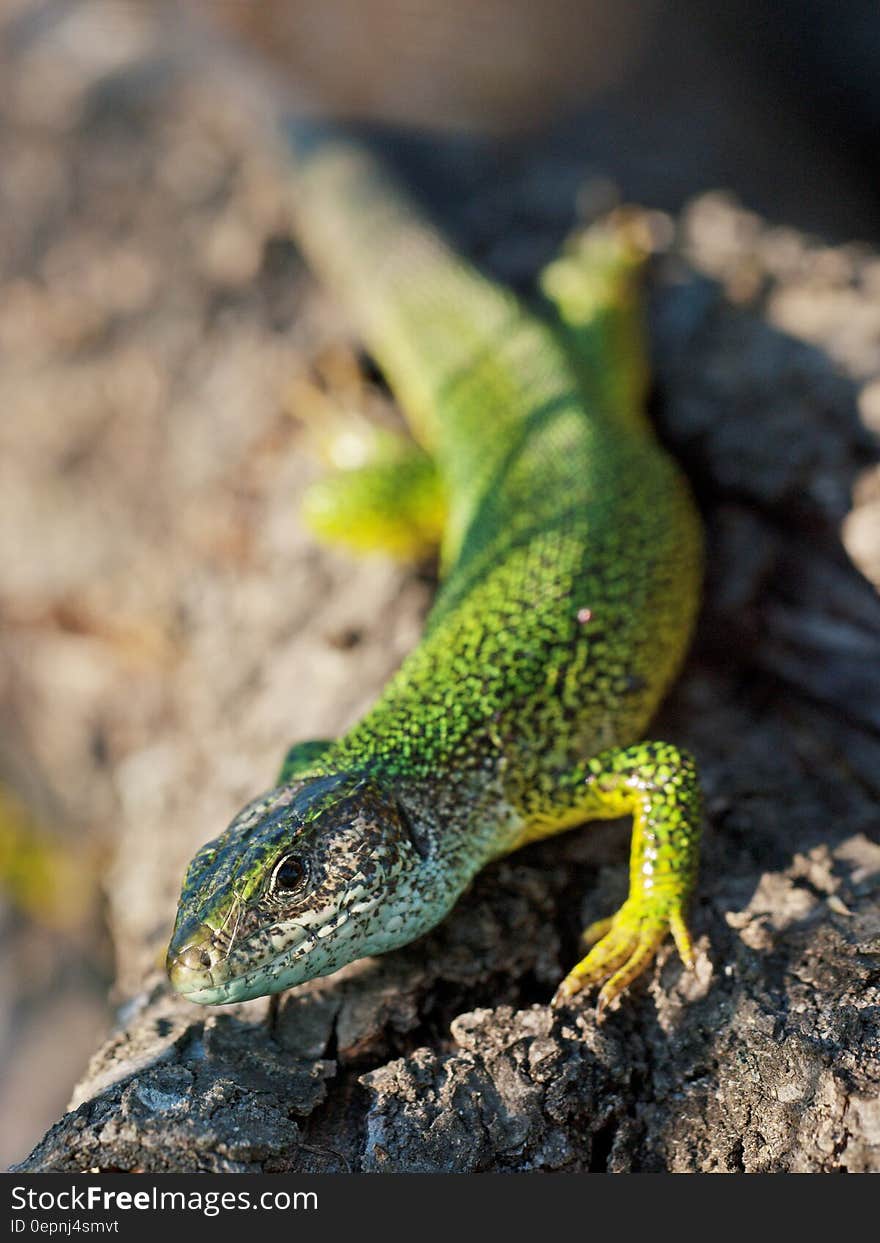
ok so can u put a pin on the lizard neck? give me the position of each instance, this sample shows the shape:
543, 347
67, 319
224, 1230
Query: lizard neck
455, 803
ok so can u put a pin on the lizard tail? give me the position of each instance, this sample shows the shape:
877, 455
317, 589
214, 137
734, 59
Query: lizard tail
424, 313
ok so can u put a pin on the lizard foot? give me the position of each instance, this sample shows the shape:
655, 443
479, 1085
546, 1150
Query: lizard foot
623, 947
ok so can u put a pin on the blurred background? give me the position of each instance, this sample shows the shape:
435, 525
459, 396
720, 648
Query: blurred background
153, 317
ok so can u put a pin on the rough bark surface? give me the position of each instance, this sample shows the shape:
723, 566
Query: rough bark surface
223, 634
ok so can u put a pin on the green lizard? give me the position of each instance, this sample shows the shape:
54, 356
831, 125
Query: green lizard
570, 566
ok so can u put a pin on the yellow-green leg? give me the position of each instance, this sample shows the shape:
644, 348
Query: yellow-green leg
657, 785
594, 288
382, 492
395, 505
301, 758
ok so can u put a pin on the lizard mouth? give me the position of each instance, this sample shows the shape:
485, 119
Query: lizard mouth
203, 970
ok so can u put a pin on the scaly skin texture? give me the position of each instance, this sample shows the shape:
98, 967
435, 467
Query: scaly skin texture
570, 566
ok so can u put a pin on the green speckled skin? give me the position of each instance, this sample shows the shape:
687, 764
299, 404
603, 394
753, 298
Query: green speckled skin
570, 578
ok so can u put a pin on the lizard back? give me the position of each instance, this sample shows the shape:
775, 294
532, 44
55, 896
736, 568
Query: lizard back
571, 559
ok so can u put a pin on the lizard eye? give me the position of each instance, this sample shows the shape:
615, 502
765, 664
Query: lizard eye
290, 874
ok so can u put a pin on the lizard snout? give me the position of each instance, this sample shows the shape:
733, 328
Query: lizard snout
191, 957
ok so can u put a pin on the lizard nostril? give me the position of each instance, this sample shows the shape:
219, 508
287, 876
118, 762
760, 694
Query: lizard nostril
194, 958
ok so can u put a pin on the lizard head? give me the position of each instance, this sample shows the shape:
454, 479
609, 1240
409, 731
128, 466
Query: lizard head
308, 877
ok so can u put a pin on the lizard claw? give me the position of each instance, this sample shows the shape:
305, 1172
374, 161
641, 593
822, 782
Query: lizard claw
623, 948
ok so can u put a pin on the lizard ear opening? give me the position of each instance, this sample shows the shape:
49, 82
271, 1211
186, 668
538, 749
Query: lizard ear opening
417, 837
389, 809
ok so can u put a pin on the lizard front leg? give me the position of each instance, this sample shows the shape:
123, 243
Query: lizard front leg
301, 759
657, 785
